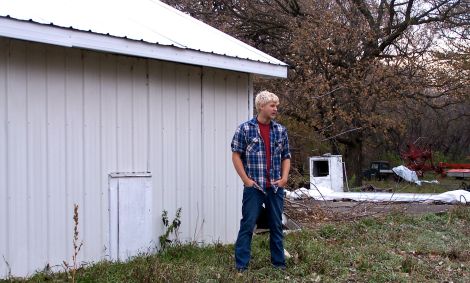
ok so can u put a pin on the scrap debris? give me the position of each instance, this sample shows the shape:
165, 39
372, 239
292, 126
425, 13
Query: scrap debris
372, 188
308, 213
324, 199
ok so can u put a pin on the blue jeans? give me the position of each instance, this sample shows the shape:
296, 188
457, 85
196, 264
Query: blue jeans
251, 209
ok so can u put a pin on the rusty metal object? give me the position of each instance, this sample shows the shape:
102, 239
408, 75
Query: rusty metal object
419, 159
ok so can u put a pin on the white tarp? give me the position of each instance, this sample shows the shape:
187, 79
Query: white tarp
407, 174
457, 196
410, 175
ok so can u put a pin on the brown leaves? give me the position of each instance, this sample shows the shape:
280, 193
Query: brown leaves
361, 64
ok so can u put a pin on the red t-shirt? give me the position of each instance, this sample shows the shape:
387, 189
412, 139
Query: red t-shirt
264, 130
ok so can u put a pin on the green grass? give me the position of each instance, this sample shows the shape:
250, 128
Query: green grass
395, 248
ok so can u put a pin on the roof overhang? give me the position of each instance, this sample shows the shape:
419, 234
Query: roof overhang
68, 37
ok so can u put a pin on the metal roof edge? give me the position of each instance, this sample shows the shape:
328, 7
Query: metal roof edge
225, 35
69, 37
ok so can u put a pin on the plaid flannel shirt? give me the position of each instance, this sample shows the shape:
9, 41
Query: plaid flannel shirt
248, 142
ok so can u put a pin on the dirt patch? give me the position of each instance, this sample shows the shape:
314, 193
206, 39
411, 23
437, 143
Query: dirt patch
310, 213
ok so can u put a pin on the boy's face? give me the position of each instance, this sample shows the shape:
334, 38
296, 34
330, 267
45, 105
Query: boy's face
269, 110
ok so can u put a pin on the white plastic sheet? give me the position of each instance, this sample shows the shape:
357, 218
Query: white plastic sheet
407, 174
451, 197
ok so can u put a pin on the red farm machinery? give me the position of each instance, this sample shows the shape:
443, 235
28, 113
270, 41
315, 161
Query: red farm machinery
420, 159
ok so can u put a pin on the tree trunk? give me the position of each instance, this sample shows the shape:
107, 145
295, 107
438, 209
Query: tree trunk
353, 158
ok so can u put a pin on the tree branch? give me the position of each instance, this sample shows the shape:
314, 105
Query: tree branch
362, 7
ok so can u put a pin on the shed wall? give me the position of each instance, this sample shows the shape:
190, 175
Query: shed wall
69, 117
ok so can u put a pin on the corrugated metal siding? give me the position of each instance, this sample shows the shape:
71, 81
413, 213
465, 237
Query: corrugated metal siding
69, 117
221, 114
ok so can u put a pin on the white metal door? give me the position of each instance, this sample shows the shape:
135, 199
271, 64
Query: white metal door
130, 215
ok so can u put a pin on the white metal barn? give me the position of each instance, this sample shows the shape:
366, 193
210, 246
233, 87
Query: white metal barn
126, 109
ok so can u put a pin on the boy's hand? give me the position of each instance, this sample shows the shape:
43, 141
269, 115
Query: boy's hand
250, 183
280, 183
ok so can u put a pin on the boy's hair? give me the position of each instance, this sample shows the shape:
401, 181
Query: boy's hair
264, 97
